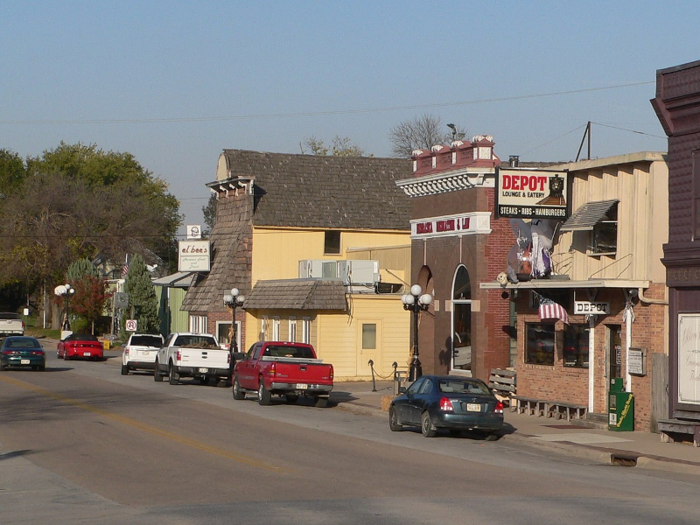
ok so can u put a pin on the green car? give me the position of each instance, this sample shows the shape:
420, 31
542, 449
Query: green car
22, 352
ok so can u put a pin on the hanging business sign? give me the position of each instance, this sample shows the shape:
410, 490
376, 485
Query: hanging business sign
532, 194
194, 256
450, 225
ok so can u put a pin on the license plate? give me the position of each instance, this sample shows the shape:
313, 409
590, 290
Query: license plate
86, 354
203, 370
302, 386
473, 407
24, 362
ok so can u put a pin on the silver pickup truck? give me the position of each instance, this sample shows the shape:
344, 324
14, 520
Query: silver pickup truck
192, 355
11, 324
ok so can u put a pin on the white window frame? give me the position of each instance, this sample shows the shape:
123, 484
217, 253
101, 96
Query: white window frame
306, 330
198, 324
292, 336
219, 324
263, 328
276, 328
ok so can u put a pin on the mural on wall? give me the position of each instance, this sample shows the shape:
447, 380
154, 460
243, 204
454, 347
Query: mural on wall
530, 257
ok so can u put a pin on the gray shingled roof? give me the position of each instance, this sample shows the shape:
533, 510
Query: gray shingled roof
297, 294
588, 215
325, 191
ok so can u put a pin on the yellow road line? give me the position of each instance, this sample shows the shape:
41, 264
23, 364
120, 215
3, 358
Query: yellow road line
177, 438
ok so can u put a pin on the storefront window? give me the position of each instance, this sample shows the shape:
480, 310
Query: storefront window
576, 346
539, 349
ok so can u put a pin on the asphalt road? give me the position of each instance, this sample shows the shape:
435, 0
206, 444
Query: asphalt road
80, 443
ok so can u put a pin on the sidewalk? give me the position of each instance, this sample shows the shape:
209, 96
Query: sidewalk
642, 449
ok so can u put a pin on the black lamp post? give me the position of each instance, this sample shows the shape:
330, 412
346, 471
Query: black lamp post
415, 302
232, 300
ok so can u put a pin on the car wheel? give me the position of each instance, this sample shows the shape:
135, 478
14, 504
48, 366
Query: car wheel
291, 399
426, 425
173, 376
58, 355
493, 436
264, 396
321, 402
394, 424
125, 370
238, 394
2, 367
156, 374
42, 368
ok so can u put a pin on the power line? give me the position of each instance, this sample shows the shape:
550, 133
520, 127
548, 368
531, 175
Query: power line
630, 130
321, 113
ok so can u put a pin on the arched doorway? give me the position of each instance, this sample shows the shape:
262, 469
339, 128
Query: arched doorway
461, 320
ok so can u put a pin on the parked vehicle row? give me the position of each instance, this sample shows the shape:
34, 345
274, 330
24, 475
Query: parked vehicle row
192, 355
11, 324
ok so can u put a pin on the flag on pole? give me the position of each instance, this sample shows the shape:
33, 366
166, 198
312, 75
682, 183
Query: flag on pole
551, 310
125, 270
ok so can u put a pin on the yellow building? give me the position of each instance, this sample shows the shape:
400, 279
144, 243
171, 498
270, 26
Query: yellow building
320, 248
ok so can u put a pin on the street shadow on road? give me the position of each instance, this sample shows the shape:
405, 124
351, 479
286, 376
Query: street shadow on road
15, 454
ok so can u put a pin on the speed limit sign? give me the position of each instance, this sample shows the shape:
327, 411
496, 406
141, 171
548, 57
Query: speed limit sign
131, 325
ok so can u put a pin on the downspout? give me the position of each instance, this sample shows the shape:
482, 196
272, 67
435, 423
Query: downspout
648, 300
591, 361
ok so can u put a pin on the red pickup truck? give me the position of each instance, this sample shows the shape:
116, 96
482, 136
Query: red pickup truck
284, 369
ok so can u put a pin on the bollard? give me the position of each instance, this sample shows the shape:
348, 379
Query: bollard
374, 384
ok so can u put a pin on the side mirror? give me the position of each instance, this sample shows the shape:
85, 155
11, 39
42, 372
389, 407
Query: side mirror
239, 356
402, 390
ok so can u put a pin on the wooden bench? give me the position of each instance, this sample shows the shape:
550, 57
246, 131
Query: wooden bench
671, 428
543, 408
561, 409
528, 405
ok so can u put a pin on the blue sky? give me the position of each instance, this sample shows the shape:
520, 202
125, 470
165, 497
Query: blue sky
174, 83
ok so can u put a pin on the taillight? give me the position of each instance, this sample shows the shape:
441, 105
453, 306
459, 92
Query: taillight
7, 352
228, 359
331, 372
126, 351
178, 355
446, 405
273, 369
499, 407
37, 352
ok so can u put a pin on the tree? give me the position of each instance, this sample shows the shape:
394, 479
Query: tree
80, 269
143, 304
90, 299
422, 132
209, 212
12, 172
339, 147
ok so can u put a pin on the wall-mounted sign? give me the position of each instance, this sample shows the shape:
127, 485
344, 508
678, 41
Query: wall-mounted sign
465, 223
532, 194
637, 361
591, 308
194, 256
689, 358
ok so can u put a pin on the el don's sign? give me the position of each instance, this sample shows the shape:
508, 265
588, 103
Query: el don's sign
193, 256
532, 194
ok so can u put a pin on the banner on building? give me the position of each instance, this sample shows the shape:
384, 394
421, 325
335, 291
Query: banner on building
533, 194
194, 256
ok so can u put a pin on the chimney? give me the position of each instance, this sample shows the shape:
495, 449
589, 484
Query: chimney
514, 161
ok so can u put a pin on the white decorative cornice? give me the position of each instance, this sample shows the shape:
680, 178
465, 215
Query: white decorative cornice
446, 182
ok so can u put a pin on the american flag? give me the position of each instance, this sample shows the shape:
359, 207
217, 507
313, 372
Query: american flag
125, 270
551, 310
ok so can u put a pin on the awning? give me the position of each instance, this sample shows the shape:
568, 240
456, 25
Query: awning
175, 280
297, 294
588, 215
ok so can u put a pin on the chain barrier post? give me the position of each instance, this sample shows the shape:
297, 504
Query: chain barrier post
374, 384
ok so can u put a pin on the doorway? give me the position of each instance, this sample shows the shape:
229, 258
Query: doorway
614, 357
461, 320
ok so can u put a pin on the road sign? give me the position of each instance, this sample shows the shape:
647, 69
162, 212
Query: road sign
131, 325
121, 299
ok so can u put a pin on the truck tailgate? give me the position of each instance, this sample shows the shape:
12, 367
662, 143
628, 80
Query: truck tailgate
309, 372
199, 358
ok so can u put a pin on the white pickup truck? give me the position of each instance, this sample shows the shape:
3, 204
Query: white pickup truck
192, 355
11, 324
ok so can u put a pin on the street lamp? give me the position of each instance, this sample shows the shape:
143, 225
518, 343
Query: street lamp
65, 290
415, 302
233, 299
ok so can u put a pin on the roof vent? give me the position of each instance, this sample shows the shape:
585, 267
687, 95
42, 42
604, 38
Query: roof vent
514, 161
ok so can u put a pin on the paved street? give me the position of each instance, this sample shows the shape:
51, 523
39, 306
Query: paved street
82, 444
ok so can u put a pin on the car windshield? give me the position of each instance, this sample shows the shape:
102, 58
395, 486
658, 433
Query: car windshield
22, 342
81, 337
9, 315
146, 340
300, 352
458, 386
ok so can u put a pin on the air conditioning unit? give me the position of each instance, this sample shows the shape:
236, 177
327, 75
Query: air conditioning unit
358, 272
318, 269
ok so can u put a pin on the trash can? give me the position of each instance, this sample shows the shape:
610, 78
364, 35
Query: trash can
620, 407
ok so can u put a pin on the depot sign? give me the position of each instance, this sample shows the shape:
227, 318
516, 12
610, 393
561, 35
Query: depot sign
591, 308
194, 256
532, 194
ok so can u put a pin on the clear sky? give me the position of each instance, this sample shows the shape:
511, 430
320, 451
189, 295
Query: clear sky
174, 83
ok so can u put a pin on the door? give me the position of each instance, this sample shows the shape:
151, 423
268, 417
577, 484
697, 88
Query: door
614, 358
461, 320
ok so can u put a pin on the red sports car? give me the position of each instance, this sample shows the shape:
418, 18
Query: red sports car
80, 345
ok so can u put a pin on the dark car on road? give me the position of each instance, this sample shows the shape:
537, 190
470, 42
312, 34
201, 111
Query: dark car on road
22, 352
453, 403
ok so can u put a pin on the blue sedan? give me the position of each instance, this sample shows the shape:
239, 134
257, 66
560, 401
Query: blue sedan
447, 402
22, 352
